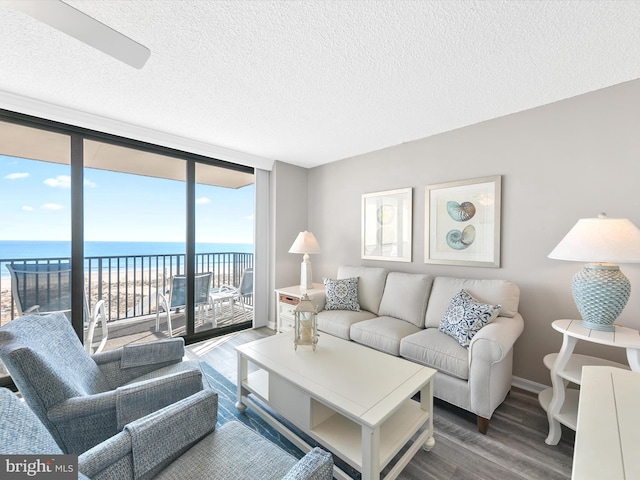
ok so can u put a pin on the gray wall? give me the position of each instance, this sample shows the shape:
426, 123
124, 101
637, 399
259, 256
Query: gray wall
559, 163
289, 217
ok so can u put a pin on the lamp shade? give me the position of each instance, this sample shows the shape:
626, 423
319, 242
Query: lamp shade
600, 240
305, 242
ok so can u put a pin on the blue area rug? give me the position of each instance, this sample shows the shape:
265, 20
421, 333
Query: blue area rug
227, 411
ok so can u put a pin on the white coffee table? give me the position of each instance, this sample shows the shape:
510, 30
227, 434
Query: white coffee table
353, 400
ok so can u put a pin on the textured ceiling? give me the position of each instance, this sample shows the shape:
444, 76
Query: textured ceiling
310, 82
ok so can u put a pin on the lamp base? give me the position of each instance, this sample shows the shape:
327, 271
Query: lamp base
306, 277
601, 292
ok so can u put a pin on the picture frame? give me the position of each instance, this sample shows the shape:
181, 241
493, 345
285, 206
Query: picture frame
462, 222
387, 225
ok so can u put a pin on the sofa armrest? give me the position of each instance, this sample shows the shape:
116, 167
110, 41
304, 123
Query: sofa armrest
142, 398
153, 441
315, 465
494, 341
491, 362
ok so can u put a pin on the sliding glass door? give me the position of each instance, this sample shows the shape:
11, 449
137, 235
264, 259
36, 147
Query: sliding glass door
138, 222
35, 224
224, 243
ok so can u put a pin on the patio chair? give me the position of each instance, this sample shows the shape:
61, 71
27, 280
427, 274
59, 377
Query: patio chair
177, 297
179, 441
84, 399
242, 291
43, 288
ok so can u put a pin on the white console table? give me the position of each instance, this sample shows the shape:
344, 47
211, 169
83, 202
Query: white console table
561, 403
608, 433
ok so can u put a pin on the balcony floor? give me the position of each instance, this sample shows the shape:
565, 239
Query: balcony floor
143, 329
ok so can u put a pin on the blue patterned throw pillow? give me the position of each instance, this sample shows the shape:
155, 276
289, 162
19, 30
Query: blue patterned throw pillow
465, 316
342, 294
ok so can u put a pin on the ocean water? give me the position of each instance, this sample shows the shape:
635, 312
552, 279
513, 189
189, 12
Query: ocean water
11, 250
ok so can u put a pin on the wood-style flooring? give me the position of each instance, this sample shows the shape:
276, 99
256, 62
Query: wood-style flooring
513, 449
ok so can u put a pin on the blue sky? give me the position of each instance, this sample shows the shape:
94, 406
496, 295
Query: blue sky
35, 202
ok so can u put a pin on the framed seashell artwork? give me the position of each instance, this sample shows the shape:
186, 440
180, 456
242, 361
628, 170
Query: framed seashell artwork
386, 225
462, 222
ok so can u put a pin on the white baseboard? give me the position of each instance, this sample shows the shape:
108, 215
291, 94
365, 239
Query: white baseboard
528, 385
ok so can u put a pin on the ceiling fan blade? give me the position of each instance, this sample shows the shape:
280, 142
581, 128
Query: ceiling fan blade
73, 22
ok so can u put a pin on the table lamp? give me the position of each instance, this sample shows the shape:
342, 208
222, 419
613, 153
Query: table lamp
600, 290
305, 243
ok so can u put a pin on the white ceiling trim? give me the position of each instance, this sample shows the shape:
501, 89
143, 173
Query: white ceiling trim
70, 116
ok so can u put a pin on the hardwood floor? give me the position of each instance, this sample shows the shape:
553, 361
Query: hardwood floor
513, 449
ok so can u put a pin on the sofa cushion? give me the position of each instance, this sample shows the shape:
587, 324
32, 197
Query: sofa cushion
342, 294
382, 333
405, 297
435, 349
371, 282
497, 292
465, 317
338, 322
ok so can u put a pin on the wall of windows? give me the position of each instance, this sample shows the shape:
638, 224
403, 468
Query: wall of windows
127, 218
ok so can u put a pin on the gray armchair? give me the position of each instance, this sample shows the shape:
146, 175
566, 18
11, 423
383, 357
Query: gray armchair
85, 399
177, 442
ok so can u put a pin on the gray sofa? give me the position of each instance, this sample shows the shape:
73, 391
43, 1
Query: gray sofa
400, 314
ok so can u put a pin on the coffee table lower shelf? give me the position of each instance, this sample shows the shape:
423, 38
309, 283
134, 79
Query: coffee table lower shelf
329, 427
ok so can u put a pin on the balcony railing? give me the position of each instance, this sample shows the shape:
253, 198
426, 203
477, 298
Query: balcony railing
129, 285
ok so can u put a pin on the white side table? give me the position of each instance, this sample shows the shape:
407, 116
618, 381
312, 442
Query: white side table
607, 438
217, 302
560, 403
287, 300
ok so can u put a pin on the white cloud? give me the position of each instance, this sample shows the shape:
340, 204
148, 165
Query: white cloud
61, 181
51, 206
27, 208
16, 176
202, 201
89, 183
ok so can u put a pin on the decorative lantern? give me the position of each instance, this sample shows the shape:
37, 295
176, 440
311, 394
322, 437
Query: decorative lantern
306, 323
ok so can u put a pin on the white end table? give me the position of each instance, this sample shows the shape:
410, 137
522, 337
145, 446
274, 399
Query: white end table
560, 403
287, 299
218, 299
